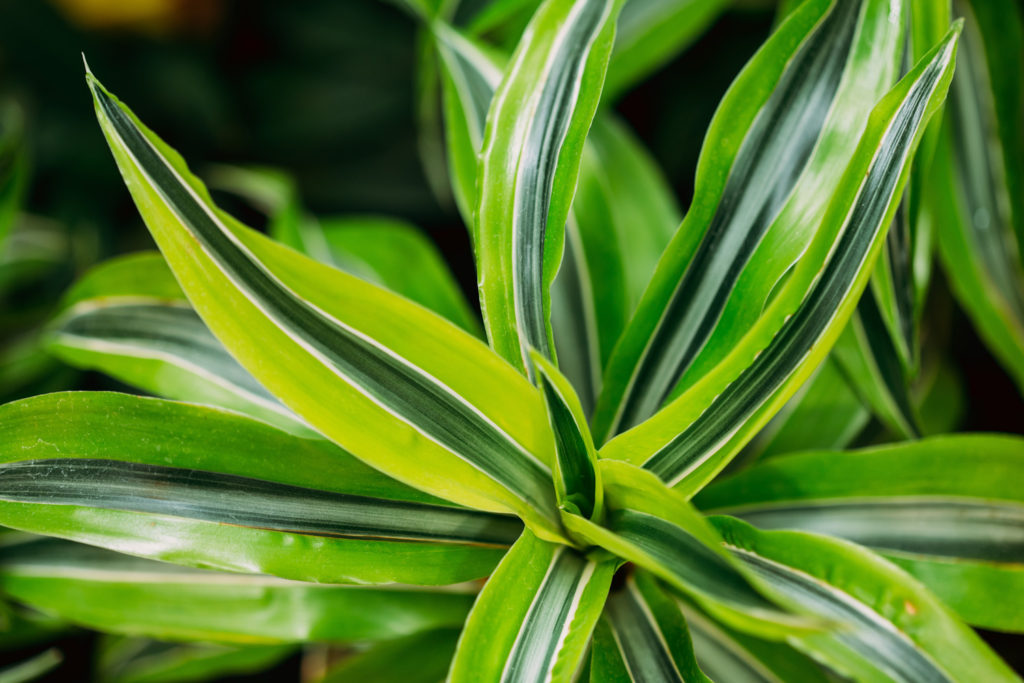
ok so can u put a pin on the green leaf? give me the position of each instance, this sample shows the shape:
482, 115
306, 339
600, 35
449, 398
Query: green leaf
824, 413
128, 318
182, 483
773, 157
947, 509
13, 167
529, 165
117, 593
577, 478
140, 660
650, 634
533, 619
33, 668
889, 627
978, 178
394, 384
651, 32
691, 439
419, 658
655, 528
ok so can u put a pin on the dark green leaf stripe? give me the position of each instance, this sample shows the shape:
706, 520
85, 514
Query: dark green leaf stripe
244, 501
987, 531
801, 332
540, 638
868, 633
406, 391
771, 159
168, 331
638, 635
537, 165
475, 78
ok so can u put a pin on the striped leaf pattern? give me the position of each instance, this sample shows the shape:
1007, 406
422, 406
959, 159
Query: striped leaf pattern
529, 164
534, 617
890, 628
946, 509
184, 484
721, 416
801, 104
389, 381
121, 594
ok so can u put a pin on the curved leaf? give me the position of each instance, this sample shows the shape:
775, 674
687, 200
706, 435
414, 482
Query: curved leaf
419, 658
140, 660
184, 483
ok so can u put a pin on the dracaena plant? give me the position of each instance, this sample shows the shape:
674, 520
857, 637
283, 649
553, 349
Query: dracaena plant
351, 463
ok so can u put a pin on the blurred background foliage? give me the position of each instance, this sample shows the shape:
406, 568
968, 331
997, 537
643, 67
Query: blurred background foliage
327, 91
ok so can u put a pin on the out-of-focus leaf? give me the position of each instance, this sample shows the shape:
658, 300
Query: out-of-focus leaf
533, 142
947, 509
31, 669
693, 438
773, 158
978, 177
117, 593
13, 169
888, 627
203, 487
419, 658
650, 634
651, 32
391, 382
533, 619
140, 660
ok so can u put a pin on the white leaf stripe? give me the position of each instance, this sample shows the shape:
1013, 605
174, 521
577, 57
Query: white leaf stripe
159, 330
474, 75
990, 531
406, 391
797, 337
767, 167
245, 501
546, 626
639, 637
538, 159
868, 633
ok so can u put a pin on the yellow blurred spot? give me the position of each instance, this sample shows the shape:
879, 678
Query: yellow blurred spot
143, 16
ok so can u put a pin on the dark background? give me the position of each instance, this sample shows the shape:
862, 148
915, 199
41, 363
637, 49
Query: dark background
325, 90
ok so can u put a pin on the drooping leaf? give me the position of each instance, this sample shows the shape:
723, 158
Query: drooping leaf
529, 164
977, 180
419, 658
141, 660
650, 634
947, 509
888, 627
203, 487
533, 619
389, 381
117, 593
692, 438
774, 156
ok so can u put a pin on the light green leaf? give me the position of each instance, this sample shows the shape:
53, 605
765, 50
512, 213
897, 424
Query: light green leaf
533, 619
128, 318
389, 381
184, 484
694, 437
117, 593
529, 165
976, 184
650, 634
651, 32
889, 627
577, 478
419, 658
140, 660
773, 157
947, 509
653, 527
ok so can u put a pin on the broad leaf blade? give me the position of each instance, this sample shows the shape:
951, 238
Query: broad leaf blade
947, 509
419, 658
116, 593
391, 382
725, 409
529, 164
534, 617
140, 660
889, 627
183, 483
